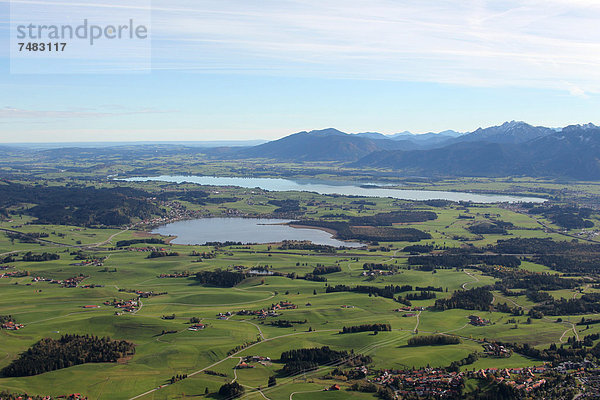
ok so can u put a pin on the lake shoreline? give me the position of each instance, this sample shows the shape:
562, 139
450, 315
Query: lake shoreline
245, 230
344, 189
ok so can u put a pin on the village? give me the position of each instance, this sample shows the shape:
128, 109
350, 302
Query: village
439, 383
11, 326
66, 283
263, 313
129, 306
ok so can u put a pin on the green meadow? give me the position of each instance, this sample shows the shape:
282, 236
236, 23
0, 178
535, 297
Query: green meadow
49, 310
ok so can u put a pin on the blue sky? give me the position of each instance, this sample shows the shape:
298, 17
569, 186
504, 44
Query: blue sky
247, 69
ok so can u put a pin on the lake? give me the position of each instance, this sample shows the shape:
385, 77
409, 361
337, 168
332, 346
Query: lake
245, 230
343, 188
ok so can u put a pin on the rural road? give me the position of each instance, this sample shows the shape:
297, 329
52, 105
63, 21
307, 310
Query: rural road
473, 281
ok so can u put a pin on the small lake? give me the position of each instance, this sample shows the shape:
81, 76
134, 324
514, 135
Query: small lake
245, 230
343, 188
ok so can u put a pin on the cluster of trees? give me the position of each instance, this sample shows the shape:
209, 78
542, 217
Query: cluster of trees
418, 248
193, 196
217, 200
565, 216
300, 360
495, 227
80, 206
125, 243
26, 237
532, 281
505, 308
568, 257
347, 231
387, 219
50, 354
582, 263
433, 340
422, 295
574, 350
231, 390
472, 299
330, 269
223, 244
587, 304
387, 234
538, 297
284, 323
220, 278
310, 277
158, 254
214, 373
302, 245
8, 259
584, 321
364, 386
447, 260
429, 288
6, 318
177, 378
367, 328
535, 246
468, 360
387, 291
286, 206
29, 256
382, 267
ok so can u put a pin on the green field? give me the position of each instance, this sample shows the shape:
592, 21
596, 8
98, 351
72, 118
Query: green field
49, 310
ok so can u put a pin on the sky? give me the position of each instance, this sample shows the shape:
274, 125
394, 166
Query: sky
250, 69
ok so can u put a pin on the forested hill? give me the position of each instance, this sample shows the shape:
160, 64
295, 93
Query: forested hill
80, 206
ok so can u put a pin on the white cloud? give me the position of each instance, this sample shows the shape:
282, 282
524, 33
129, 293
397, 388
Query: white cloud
550, 44
14, 113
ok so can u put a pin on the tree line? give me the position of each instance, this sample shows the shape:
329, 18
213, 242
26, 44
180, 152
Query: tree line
367, 328
386, 291
51, 354
125, 243
433, 340
29, 256
80, 206
329, 269
158, 254
471, 299
448, 260
220, 278
300, 360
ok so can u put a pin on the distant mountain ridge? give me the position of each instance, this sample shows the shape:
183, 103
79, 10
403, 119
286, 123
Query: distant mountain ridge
508, 132
322, 145
572, 152
512, 148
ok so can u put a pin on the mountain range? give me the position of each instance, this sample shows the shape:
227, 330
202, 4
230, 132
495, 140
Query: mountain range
511, 149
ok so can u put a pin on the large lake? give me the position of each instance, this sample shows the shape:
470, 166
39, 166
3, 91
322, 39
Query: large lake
343, 188
245, 230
